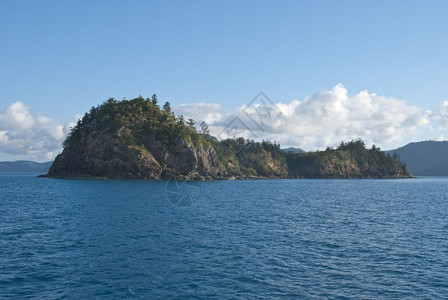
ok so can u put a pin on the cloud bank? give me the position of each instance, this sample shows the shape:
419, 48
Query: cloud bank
27, 136
324, 119
443, 115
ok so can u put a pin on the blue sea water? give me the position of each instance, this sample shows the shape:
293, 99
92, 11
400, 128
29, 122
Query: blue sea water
260, 239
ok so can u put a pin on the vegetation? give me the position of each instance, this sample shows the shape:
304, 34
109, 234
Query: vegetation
141, 124
250, 158
135, 121
349, 160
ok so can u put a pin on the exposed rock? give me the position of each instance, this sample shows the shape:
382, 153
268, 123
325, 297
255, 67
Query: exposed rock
102, 155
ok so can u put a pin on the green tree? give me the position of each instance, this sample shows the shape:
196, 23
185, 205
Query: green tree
204, 128
154, 99
167, 107
191, 122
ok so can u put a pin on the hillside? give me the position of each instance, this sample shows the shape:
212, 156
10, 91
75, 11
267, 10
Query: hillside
349, 160
136, 139
24, 166
429, 158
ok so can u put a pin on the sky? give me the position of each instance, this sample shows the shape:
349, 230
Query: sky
330, 70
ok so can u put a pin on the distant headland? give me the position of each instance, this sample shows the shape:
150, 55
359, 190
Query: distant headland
137, 139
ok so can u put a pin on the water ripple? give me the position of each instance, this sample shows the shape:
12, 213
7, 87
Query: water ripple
362, 239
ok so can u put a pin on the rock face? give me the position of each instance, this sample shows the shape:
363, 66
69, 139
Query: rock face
100, 155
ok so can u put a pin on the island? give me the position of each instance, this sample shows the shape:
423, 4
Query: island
138, 139
425, 158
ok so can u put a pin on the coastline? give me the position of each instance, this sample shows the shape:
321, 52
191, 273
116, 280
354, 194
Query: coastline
230, 178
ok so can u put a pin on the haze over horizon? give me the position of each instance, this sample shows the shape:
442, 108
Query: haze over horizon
330, 71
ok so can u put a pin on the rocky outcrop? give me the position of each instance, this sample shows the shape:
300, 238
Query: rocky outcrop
104, 155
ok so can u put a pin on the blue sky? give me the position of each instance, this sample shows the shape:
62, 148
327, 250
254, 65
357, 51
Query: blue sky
61, 57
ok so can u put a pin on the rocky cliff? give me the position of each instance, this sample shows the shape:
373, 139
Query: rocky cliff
100, 155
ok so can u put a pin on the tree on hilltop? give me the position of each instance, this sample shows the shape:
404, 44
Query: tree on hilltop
154, 99
191, 122
204, 128
167, 107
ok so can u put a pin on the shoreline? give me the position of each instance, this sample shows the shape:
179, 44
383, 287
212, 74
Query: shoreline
230, 178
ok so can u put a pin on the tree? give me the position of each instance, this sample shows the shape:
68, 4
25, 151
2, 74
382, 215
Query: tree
191, 122
204, 128
112, 101
93, 112
154, 99
167, 107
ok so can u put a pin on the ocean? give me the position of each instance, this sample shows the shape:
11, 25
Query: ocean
255, 239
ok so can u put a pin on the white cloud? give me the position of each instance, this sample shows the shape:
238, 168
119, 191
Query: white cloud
27, 136
17, 116
208, 112
440, 138
325, 119
443, 114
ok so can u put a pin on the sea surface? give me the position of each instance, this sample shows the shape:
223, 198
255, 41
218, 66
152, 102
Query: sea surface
257, 239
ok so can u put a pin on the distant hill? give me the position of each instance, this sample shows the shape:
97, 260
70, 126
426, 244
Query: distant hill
293, 150
24, 166
429, 158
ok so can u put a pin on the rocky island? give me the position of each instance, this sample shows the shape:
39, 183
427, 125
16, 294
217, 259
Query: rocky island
136, 139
